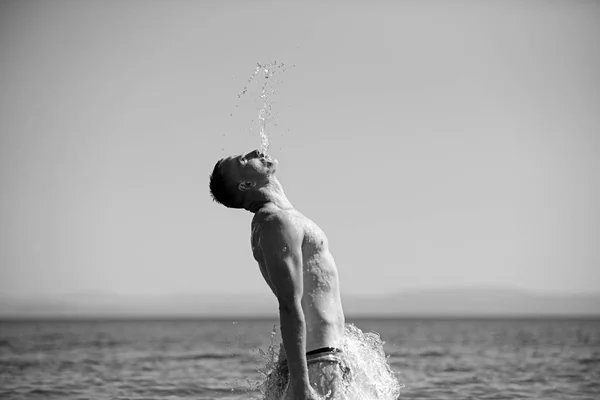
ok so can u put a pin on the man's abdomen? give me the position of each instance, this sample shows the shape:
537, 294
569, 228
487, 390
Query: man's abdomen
321, 303
324, 325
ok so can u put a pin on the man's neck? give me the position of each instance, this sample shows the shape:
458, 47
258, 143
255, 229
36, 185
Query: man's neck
269, 195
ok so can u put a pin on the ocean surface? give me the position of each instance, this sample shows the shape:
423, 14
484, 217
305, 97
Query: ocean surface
226, 359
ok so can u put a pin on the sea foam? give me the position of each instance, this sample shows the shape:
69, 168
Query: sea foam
371, 375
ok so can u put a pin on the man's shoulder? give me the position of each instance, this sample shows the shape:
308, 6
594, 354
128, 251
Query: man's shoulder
276, 222
271, 219
275, 216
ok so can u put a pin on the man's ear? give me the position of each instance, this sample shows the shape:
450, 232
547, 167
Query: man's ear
246, 185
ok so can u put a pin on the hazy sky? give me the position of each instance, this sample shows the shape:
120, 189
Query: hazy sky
436, 143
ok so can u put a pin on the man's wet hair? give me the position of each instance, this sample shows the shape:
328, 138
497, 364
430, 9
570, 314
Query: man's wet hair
221, 190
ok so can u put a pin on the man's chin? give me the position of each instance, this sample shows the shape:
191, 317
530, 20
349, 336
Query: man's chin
272, 168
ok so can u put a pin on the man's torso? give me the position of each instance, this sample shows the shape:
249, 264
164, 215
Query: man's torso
321, 301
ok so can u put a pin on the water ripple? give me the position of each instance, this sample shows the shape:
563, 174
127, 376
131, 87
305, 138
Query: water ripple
488, 359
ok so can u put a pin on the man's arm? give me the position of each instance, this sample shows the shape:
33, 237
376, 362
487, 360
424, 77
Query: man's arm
281, 244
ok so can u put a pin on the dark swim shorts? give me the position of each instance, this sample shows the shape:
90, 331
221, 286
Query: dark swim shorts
328, 373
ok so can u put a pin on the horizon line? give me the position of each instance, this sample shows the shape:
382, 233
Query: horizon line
259, 317
399, 291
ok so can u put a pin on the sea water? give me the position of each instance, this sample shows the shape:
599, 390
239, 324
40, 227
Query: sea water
265, 76
371, 376
220, 358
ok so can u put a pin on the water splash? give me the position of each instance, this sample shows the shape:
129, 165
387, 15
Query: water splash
372, 376
270, 358
264, 74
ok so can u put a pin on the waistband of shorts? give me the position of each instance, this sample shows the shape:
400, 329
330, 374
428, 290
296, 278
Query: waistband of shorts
317, 353
323, 351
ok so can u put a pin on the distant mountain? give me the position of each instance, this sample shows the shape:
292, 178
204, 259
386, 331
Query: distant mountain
476, 302
466, 302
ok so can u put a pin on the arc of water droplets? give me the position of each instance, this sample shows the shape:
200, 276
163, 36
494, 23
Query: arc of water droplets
268, 70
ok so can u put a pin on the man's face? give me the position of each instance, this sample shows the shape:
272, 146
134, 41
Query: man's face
253, 166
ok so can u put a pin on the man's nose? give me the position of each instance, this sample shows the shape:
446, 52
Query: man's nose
252, 154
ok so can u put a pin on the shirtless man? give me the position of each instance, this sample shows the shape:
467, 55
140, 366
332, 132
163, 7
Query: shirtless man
293, 256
